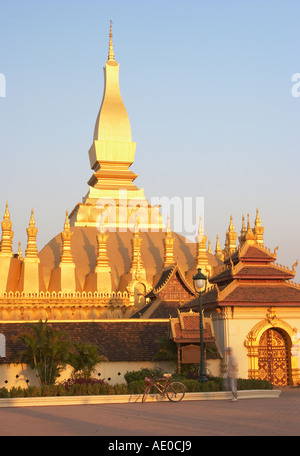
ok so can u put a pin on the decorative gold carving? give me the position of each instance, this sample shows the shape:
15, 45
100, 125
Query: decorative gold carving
253, 343
294, 266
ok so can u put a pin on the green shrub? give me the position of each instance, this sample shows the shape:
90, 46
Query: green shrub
250, 384
131, 376
95, 387
16, 391
4, 392
136, 387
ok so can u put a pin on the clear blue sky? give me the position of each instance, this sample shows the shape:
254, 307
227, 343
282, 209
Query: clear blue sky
207, 86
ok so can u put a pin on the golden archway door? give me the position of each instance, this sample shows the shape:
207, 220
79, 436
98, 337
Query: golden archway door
270, 351
273, 361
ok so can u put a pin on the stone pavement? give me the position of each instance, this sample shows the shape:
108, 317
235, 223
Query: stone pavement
248, 417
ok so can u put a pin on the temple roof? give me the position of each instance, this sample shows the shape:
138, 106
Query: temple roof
253, 279
185, 328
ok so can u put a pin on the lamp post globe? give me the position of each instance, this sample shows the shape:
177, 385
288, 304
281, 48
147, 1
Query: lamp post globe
199, 281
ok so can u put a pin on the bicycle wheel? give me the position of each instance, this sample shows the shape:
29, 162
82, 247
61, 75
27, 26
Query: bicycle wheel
146, 392
175, 391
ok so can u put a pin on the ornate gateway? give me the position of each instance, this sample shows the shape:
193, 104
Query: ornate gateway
273, 357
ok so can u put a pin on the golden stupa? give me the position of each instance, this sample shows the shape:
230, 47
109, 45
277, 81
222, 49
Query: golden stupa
113, 247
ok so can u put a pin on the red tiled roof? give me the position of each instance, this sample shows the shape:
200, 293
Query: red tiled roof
121, 340
252, 252
263, 294
263, 272
186, 329
256, 253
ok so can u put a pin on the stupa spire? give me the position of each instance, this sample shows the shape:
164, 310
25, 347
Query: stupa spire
66, 236
111, 155
31, 251
111, 55
231, 235
258, 230
243, 231
201, 260
7, 234
168, 242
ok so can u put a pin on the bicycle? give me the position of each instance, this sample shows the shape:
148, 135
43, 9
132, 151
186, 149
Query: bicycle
174, 391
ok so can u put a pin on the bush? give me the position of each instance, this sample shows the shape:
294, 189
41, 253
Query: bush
250, 384
85, 387
4, 392
131, 376
136, 387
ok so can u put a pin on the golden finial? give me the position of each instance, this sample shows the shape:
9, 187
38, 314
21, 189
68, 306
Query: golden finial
168, 225
6, 213
243, 230
67, 223
209, 247
248, 222
257, 220
19, 251
7, 234
200, 230
111, 49
31, 251
231, 226
31, 221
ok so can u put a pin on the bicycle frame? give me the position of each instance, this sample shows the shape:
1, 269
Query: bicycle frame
160, 384
165, 387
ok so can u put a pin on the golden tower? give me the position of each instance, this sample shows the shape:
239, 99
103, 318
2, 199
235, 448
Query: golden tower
137, 270
102, 269
201, 260
230, 243
66, 265
168, 242
111, 189
30, 271
258, 230
6, 251
218, 250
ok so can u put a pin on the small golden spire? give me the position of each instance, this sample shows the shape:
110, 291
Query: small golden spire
102, 263
6, 213
20, 252
231, 226
209, 247
257, 220
168, 243
200, 231
7, 234
243, 231
248, 223
67, 223
32, 221
31, 251
111, 55
258, 229
66, 236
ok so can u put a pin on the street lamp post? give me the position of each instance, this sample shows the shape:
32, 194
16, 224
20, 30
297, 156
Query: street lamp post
199, 281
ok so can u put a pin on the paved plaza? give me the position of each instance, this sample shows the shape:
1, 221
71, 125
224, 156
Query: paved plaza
247, 417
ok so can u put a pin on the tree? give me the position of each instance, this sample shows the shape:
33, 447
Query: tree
84, 359
167, 350
46, 351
